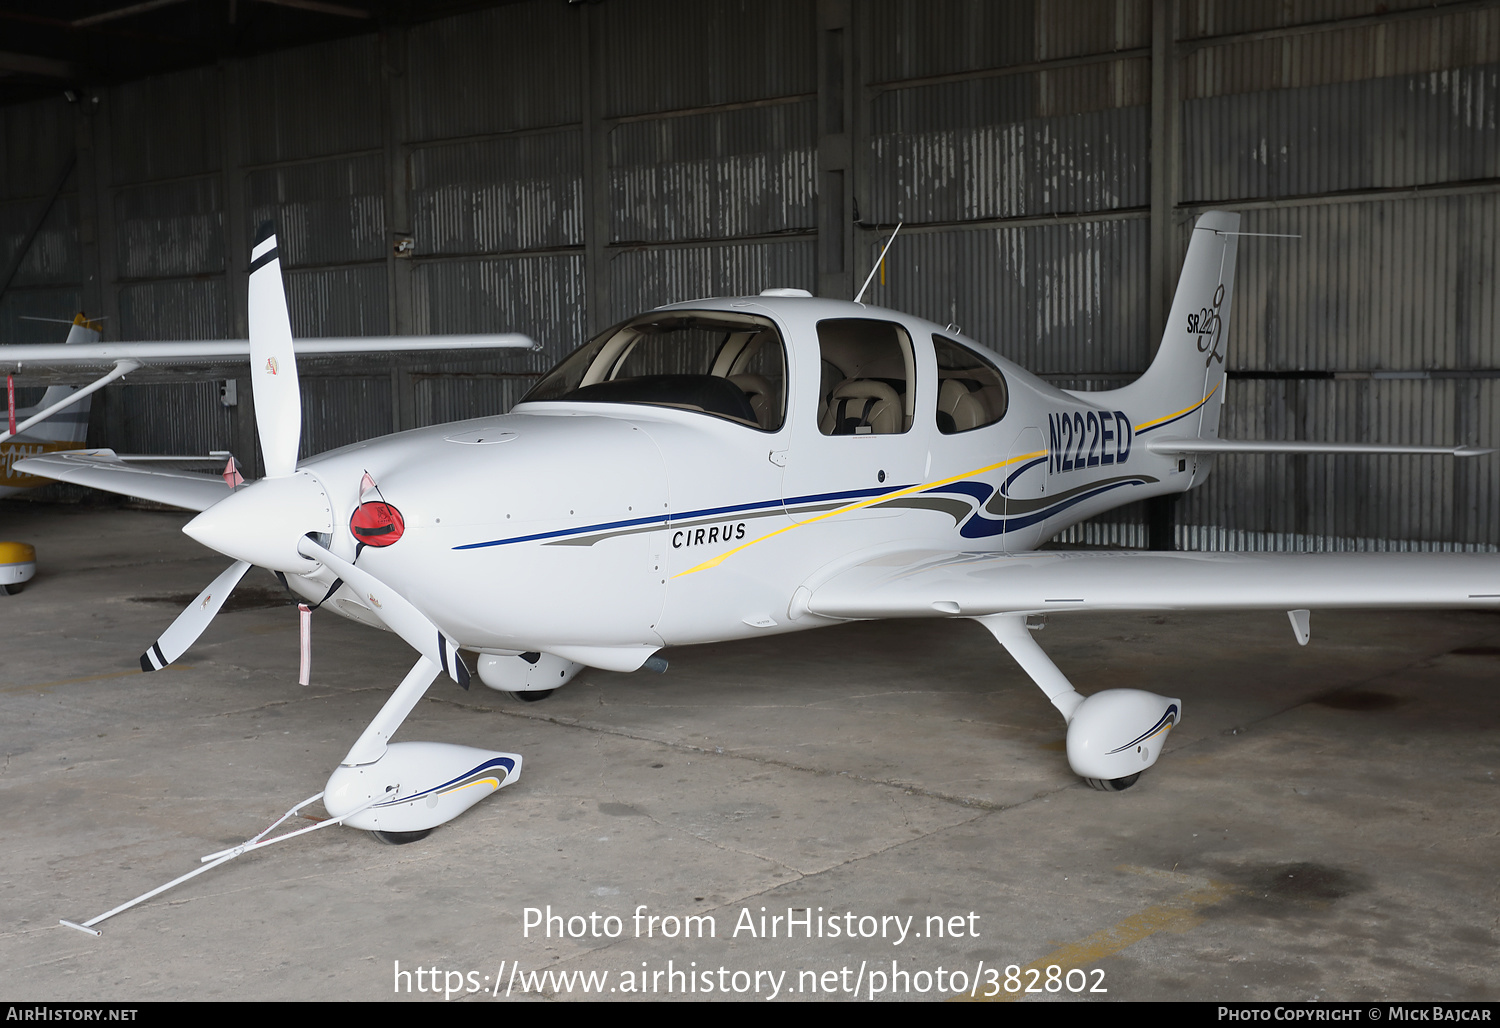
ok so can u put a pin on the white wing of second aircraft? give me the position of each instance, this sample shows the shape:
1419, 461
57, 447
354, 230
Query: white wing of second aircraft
959, 584
123, 358
148, 478
229, 351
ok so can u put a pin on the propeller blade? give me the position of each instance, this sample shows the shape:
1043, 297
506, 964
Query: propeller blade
273, 365
396, 611
190, 624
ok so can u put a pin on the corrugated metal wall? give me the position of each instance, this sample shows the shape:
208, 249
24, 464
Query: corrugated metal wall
558, 167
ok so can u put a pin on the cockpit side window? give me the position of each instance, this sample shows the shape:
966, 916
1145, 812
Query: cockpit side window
971, 391
732, 366
868, 379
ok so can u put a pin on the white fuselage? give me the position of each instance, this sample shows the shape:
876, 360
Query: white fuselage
601, 531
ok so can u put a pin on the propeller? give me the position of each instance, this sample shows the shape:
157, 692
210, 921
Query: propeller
396, 611
174, 642
271, 522
273, 363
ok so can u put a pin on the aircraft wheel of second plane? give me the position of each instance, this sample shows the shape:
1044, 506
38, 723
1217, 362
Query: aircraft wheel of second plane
401, 838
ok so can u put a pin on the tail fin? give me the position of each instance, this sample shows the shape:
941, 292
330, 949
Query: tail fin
1184, 386
72, 424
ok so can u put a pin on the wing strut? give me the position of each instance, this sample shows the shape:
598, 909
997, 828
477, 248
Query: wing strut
120, 370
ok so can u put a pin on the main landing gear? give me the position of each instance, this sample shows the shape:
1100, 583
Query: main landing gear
1113, 735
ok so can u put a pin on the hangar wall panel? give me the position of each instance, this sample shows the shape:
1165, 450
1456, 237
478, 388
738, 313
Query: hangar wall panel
1056, 299
36, 139
17, 306
744, 172
444, 398
542, 296
311, 101
174, 309
340, 411
338, 301
681, 54
647, 278
169, 229
1386, 285
514, 67
186, 418
1402, 130
518, 192
165, 127
54, 255
969, 151
324, 212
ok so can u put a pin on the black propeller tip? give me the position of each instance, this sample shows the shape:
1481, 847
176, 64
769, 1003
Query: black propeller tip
266, 231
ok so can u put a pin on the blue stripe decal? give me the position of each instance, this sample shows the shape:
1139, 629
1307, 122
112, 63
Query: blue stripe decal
504, 762
666, 520
1021, 471
979, 527
1167, 720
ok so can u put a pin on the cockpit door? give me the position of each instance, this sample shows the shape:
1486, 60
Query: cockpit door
858, 437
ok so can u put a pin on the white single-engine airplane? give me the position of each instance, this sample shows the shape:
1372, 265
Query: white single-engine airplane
725, 468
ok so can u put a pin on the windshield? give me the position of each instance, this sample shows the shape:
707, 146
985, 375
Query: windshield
732, 366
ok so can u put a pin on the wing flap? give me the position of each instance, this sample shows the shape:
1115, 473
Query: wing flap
104, 469
927, 584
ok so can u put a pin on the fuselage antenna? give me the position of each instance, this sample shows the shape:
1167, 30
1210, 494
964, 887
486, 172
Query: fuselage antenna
878, 262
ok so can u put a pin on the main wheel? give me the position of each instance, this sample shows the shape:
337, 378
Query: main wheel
401, 838
533, 695
1113, 784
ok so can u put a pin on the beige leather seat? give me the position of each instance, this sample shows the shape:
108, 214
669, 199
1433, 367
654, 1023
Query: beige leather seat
862, 406
757, 389
959, 402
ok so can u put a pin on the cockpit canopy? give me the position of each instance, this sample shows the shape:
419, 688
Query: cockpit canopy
729, 365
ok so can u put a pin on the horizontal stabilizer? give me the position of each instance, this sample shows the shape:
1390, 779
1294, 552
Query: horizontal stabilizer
104, 469
1185, 444
955, 584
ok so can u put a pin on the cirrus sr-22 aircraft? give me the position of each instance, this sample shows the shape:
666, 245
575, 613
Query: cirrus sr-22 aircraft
721, 469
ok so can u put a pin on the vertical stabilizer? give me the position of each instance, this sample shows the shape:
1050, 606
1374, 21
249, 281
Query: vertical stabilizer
70, 425
1181, 392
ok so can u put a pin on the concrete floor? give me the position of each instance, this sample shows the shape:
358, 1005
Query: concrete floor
1323, 825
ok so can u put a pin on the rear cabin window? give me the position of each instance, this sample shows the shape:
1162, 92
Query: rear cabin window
868, 384
730, 366
971, 391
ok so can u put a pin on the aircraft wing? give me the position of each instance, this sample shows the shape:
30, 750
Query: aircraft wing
948, 584
132, 476
230, 351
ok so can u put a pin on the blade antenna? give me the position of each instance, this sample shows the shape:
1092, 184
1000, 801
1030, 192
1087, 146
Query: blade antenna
878, 262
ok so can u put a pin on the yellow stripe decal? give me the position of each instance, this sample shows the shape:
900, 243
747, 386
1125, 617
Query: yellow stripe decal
882, 498
1186, 410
